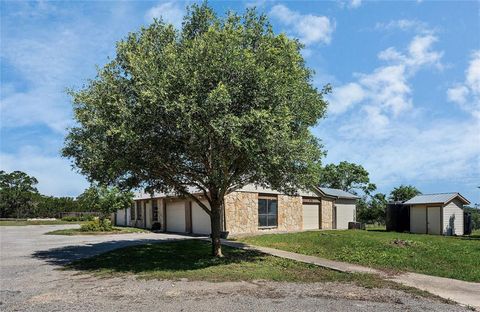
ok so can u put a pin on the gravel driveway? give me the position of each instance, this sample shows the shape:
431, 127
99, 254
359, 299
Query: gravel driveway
31, 281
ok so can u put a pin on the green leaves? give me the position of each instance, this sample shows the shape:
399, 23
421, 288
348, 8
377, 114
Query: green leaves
105, 200
348, 177
221, 103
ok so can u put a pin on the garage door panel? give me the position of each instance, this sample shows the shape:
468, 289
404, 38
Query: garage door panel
200, 220
176, 217
311, 217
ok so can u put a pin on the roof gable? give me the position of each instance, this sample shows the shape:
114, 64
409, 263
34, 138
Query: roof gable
440, 198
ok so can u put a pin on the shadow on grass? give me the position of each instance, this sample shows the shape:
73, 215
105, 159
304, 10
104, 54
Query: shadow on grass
145, 256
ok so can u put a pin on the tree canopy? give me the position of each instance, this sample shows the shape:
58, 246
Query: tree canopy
105, 200
218, 104
17, 193
403, 193
346, 176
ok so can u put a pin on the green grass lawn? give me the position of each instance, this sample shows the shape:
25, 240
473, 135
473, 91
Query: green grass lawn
116, 230
191, 259
39, 222
453, 257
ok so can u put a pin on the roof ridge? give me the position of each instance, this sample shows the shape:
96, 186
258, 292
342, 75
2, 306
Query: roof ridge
438, 193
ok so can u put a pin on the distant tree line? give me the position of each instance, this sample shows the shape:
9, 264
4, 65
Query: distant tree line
20, 198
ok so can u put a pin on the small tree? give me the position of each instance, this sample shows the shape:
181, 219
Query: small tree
346, 176
222, 103
17, 194
105, 200
372, 209
403, 193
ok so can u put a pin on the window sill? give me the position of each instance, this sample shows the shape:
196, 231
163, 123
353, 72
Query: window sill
267, 227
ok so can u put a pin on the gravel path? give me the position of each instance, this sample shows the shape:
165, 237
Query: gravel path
30, 281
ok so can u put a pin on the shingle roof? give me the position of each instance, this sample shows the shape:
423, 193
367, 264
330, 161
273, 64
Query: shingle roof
441, 198
337, 193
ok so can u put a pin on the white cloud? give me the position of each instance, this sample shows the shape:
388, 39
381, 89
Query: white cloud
467, 95
355, 4
345, 97
385, 93
405, 25
457, 94
309, 28
53, 173
170, 12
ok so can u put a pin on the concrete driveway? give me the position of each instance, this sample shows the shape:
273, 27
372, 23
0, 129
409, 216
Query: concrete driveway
31, 281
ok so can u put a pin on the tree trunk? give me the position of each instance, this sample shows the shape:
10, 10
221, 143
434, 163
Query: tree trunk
216, 223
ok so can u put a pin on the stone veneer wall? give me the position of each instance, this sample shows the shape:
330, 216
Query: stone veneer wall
290, 213
327, 214
241, 211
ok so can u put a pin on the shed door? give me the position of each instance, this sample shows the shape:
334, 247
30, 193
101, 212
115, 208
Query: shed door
433, 222
176, 217
200, 220
418, 219
311, 217
345, 214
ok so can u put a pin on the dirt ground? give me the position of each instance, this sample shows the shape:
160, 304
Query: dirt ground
32, 280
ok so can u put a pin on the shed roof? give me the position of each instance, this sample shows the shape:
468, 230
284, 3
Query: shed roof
440, 198
337, 193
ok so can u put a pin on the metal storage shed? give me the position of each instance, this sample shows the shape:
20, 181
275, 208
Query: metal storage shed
440, 214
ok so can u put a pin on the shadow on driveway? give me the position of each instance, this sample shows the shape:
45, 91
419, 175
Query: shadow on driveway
67, 254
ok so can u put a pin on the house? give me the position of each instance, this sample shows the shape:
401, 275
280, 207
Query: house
437, 213
250, 209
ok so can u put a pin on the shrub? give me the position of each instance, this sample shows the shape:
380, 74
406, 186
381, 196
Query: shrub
97, 225
78, 218
156, 226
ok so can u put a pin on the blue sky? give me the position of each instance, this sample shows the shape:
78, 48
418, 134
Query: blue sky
406, 78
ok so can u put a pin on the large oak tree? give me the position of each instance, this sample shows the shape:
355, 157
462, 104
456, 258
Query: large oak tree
218, 104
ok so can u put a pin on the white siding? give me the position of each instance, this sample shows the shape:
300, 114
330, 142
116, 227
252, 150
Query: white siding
311, 217
418, 219
453, 218
346, 212
200, 219
176, 216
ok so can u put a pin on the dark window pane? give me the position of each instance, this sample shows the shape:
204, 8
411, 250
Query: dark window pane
272, 220
262, 220
272, 207
262, 206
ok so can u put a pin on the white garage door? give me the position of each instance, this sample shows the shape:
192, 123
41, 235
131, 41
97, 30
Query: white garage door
176, 217
345, 214
200, 220
310, 217
418, 220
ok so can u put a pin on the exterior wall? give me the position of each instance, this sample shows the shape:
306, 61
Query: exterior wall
345, 212
290, 213
453, 218
241, 212
326, 214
